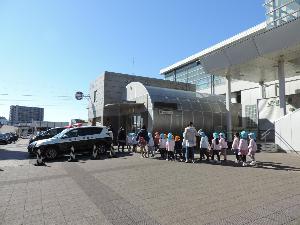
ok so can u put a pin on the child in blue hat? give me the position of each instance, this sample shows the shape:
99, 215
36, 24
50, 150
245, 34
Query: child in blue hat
162, 146
203, 146
235, 147
243, 147
223, 145
215, 147
150, 145
252, 147
170, 144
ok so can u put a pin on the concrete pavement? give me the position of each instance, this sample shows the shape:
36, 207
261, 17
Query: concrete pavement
131, 190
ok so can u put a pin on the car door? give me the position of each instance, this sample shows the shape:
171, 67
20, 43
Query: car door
84, 136
68, 140
94, 136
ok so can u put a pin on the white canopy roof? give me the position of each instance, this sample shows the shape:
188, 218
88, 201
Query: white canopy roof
253, 55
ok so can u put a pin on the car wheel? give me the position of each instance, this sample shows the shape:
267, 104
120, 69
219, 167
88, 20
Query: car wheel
51, 153
101, 148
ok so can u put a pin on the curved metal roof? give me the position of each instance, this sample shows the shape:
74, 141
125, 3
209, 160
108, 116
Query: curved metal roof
187, 100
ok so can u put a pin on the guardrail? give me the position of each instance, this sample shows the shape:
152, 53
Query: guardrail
265, 134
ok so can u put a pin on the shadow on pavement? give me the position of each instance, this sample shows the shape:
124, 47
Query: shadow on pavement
276, 166
261, 165
82, 158
16, 155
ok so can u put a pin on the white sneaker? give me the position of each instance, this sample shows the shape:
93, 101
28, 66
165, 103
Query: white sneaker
186, 161
253, 163
167, 159
244, 164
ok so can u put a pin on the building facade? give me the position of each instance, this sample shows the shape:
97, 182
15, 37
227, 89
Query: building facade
3, 121
166, 110
108, 92
252, 60
281, 11
24, 114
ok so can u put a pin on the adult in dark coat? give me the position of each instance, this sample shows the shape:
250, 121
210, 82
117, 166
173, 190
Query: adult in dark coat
143, 133
143, 140
121, 138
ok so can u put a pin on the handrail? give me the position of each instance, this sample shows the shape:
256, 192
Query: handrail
265, 134
267, 131
285, 142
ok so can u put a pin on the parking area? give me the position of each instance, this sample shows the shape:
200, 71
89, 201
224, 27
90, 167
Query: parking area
134, 190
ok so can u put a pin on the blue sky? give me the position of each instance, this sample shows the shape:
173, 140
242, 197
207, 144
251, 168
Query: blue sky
50, 49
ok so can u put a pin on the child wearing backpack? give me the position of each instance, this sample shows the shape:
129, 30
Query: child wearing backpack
134, 142
156, 141
183, 146
235, 147
243, 147
252, 147
178, 148
150, 145
129, 141
215, 147
204, 146
170, 144
162, 146
142, 143
223, 146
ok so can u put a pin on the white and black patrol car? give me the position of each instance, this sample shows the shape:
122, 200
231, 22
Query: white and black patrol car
83, 139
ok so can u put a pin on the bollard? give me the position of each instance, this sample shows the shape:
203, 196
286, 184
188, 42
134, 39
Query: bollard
112, 152
39, 159
95, 154
72, 155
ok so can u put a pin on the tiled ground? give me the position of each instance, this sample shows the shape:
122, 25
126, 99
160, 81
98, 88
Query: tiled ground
131, 190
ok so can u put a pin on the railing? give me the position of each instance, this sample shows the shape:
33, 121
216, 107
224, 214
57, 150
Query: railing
286, 131
265, 134
279, 12
286, 143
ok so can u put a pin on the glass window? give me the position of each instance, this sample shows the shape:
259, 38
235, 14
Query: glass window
281, 11
72, 133
95, 96
194, 73
251, 116
89, 131
170, 76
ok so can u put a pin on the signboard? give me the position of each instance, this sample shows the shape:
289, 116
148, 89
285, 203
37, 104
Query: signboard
79, 95
162, 112
269, 110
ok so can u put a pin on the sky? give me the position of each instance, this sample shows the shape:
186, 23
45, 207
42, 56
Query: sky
51, 49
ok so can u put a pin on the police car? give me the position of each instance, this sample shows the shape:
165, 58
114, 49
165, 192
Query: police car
83, 139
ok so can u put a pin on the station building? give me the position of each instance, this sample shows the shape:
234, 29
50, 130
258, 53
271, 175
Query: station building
109, 104
258, 69
165, 106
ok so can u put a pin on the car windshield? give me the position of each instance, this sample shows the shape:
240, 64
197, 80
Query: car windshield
61, 133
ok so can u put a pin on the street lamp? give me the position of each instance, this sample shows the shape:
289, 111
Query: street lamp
79, 96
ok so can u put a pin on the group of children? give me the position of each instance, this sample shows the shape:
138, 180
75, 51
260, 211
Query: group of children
242, 149
173, 148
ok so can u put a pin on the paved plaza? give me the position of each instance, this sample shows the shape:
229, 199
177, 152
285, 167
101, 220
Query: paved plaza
132, 190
